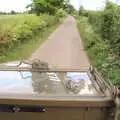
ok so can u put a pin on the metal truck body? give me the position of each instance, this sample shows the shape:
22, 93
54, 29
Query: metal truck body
55, 95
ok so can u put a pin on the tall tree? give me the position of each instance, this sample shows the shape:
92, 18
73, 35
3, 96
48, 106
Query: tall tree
81, 10
13, 12
47, 6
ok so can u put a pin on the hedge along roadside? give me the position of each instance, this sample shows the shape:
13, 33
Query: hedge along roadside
107, 24
21, 32
99, 52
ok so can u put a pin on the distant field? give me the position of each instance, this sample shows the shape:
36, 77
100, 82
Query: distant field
13, 19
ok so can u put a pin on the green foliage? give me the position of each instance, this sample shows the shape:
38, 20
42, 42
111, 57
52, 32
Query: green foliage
24, 50
111, 26
5, 34
43, 6
21, 28
24, 32
12, 12
102, 39
47, 6
95, 18
107, 24
83, 12
70, 9
99, 52
60, 13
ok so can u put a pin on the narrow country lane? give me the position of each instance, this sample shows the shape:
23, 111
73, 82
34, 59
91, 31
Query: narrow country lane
64, 48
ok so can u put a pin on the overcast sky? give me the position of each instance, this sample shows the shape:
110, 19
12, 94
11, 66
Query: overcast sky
19, 5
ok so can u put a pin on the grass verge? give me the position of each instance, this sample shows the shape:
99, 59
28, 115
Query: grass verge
24, 50
99, 52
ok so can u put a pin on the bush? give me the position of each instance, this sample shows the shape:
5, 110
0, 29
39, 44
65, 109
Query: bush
102, 40
21, 29
111, 26
99, 52
5, 35
24, 32
50, 20
60, 13
95, 19
107, 24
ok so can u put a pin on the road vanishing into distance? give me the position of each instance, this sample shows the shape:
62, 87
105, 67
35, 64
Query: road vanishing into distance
64, 48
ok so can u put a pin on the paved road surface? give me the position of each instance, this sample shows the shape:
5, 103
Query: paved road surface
64, 48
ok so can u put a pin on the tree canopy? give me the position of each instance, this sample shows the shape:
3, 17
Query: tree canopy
47, 6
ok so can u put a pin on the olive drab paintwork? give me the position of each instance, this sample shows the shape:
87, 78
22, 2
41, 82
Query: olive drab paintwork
63, 110
26, 95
